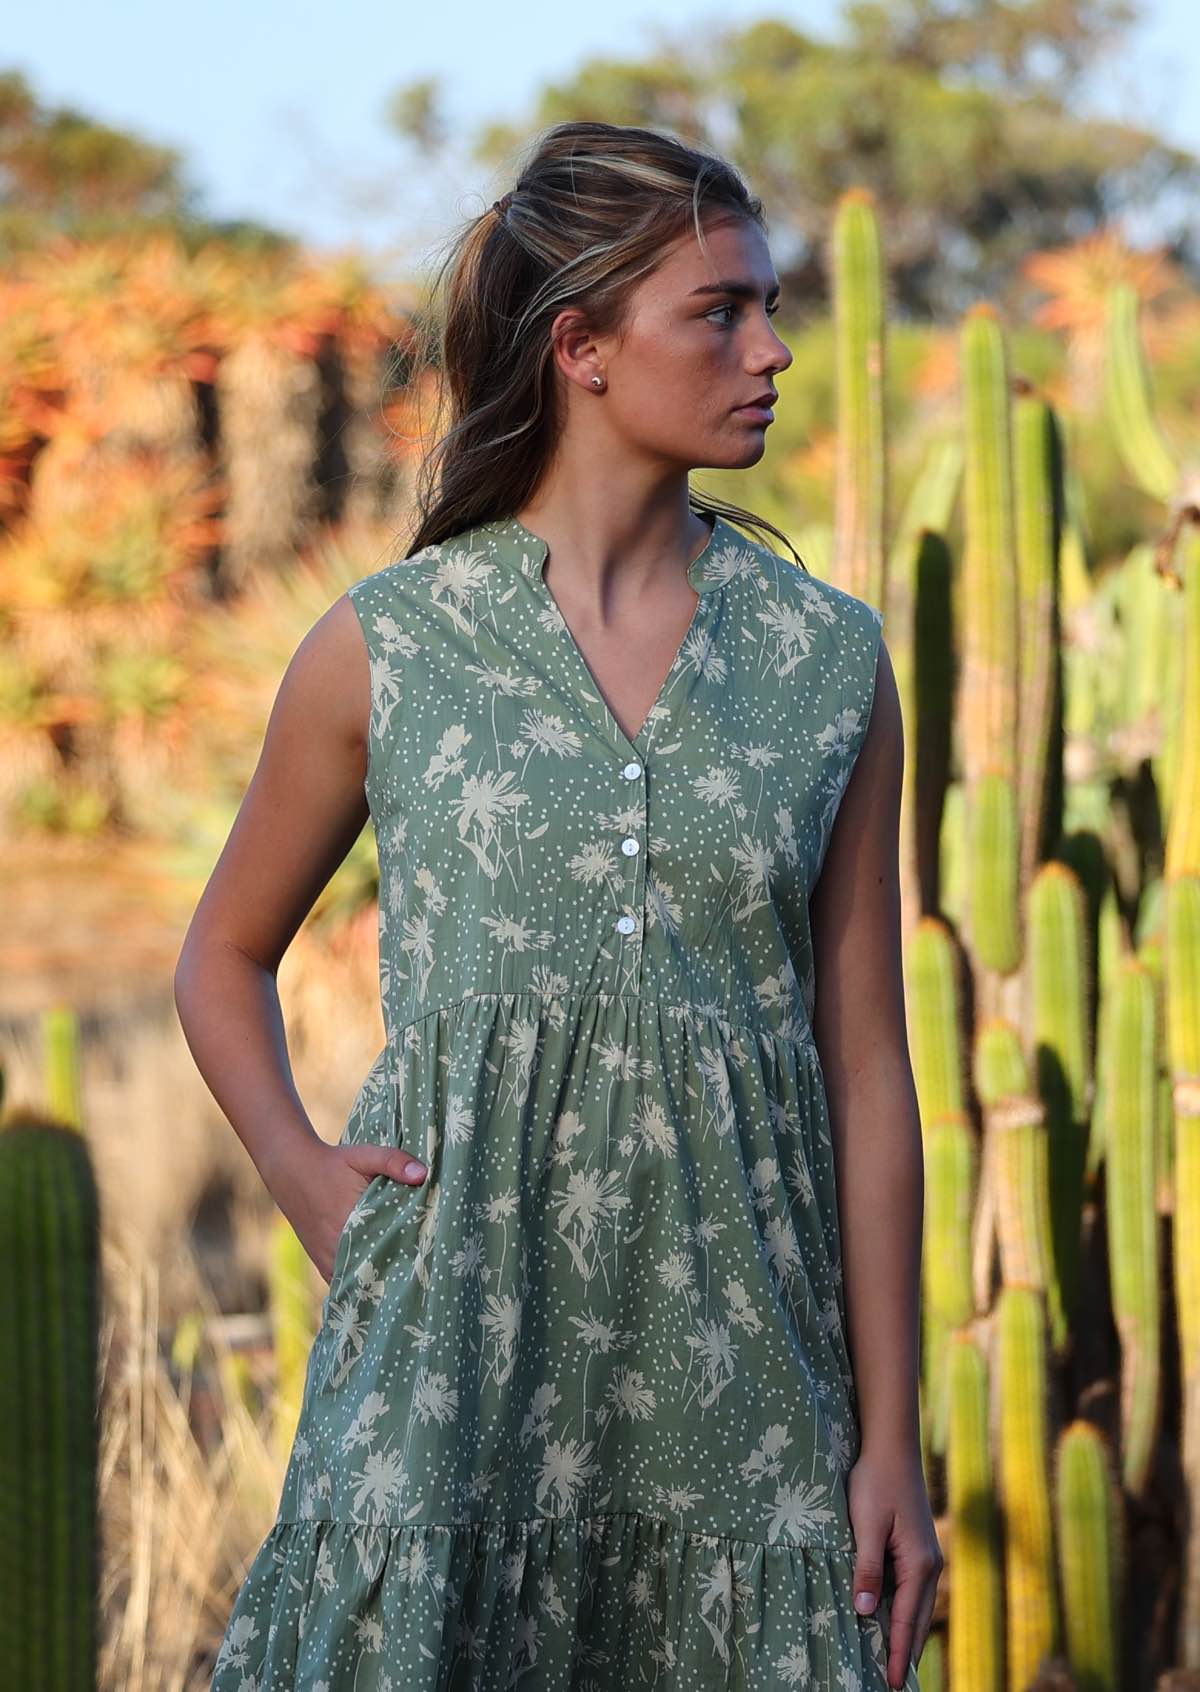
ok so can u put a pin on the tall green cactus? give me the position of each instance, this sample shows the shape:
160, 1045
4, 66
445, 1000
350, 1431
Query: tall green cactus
49, 1291
859, 319
1037, 477
976, 1639
989, 622
1110, 949
931, 1664
936, 1047
953, 880
1015, 1129
1183, 823
1140, 441
1132, 1104
60, 1043
1088, 1511
1059, 967
293, 1327
1032, 1606
951, 1163
920, 640
1183, 1055
935, 1020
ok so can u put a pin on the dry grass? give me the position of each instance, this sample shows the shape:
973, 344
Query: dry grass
188, 1482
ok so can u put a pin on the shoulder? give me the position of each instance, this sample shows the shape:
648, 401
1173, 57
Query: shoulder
822, 603
373, 589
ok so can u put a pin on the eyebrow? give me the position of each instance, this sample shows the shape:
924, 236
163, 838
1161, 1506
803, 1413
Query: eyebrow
740, 290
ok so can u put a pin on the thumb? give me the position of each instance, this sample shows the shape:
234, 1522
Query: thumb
868, 1573
393, 1161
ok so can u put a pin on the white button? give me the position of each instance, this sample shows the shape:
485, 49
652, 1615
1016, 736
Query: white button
629, 845
631, 771
626, 924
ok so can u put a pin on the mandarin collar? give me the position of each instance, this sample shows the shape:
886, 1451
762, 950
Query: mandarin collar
701, 574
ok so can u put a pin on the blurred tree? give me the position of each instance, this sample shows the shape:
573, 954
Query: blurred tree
63, 173
1038, 47
964, 120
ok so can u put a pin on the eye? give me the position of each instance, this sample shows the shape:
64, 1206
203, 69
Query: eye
771, 309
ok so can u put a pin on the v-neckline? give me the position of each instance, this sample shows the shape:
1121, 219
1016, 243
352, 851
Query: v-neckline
637, 743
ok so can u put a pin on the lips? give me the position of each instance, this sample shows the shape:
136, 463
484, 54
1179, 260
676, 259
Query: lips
764, 402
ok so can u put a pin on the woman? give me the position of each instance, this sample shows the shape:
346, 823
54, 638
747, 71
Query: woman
624, 1384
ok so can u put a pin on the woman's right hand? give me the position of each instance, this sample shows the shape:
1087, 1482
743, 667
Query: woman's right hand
319, 1186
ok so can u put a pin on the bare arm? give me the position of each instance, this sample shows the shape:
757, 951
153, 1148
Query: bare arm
862, 1037
302, 812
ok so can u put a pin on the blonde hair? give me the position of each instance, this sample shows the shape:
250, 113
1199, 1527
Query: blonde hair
589, 217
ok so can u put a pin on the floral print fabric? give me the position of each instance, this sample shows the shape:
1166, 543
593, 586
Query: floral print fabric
580, 1409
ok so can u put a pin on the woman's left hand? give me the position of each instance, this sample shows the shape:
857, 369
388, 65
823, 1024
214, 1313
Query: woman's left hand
888, 1505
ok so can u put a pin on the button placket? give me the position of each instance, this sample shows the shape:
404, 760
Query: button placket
631, 847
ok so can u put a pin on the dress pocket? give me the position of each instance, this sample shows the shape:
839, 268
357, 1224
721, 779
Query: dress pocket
363, 1206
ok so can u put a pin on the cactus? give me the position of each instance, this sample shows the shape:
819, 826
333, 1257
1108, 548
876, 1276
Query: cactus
49, 1285
1109, 952
293, 1326
859, 319
1059, 967
1140, 441
951, 1162
953, 893
1032, 1609
989, 621
1132, 1100
935, 1035
1088, 1511
1183, 1058
1016, 855
1173, 761
1183, 820
932, 1664
60, 1039
1014, 1125
950, 1155
920, 641
1036, 480
976, 1637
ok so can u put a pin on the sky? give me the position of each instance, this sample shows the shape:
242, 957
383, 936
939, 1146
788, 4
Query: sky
277, 105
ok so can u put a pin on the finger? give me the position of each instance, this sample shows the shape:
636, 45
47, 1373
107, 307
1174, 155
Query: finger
868, 1573
411, 1169
905, 1601
925, 1617
394, 1161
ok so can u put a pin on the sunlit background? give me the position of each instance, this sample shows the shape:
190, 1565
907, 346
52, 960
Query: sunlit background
214, 231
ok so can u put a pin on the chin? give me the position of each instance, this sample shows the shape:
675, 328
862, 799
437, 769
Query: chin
751, 448
731, 450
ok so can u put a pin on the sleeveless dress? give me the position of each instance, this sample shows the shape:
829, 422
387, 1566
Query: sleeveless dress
579, 1411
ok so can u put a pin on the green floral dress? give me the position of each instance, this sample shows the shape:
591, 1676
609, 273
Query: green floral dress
580, 1408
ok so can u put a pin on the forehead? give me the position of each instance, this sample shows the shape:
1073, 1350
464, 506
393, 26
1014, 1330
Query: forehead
736, 249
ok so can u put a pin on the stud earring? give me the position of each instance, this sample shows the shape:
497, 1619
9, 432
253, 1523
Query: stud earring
597, 381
